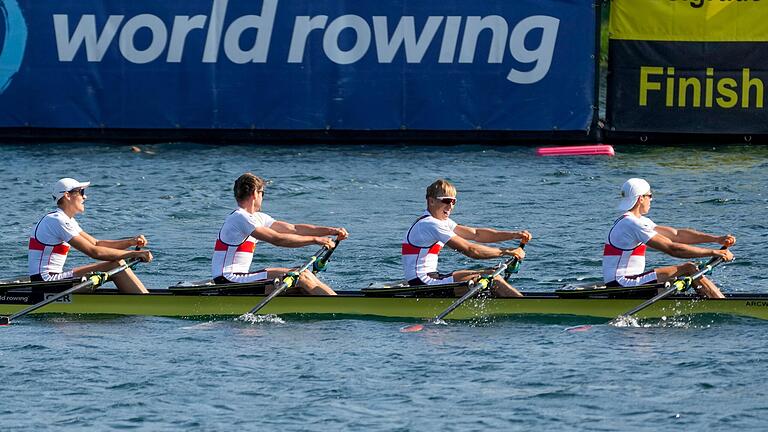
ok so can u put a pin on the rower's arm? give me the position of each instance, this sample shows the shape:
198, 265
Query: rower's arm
139, 240
123, 243
688, 235
89, 238
473, 250
691, 236
679, 250
290, 240
309, 230
283, 227
489, 235
86, 244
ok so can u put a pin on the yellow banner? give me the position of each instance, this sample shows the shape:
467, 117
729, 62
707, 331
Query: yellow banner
690, 20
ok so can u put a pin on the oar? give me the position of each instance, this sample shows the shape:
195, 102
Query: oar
679, 285
481, 284
322, 261
95, 280
288, 281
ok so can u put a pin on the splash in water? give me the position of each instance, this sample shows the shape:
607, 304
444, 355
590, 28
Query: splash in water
259, 319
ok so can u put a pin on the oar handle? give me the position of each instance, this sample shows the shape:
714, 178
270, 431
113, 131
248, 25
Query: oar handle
685, 282
513, 267
713, 259
290, 278
322, 262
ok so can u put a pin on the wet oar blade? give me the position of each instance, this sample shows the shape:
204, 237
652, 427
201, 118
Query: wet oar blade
579, 328
412, 328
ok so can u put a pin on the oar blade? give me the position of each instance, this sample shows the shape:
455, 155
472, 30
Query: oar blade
4, 320
579, 328
415, 328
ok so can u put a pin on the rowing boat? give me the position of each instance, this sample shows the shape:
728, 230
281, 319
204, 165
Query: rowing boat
236, 299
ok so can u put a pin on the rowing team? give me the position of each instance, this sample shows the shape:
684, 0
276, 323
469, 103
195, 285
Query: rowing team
623, 256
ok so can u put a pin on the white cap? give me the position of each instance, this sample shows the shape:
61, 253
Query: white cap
65, 185
631, 190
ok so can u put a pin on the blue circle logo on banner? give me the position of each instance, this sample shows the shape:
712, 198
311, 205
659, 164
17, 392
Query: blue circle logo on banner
14, 41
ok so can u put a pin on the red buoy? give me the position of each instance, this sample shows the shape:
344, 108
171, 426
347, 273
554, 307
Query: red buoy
583, 150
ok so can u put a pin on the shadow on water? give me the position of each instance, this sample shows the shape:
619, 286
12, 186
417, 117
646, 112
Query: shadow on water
212, 321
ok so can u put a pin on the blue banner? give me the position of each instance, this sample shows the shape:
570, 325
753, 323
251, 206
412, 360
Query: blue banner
523, 65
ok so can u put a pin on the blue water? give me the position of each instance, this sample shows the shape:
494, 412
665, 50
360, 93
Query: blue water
150, 373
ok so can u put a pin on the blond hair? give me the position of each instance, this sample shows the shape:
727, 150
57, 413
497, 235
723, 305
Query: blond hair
441, 187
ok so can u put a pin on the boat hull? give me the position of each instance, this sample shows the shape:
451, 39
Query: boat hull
351, 304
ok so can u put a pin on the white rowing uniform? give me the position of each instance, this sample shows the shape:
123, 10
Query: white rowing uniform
233, 252
421, 247
48, 247
624, 251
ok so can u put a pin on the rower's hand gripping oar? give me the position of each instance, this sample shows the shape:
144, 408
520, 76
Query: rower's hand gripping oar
482, 283
322, 262
513, 268
288, 281
94, 280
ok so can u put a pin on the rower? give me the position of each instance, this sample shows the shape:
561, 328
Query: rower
624, 251
52, 236
247, 225
434, 229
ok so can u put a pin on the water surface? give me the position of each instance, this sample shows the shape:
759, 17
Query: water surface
153, 373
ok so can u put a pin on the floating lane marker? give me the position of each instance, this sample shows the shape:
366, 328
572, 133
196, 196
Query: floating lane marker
584, 150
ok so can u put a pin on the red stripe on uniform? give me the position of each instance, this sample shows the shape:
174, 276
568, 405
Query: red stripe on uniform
61, 249
409, 249
35, 245
247, 247
220, 246
612, 251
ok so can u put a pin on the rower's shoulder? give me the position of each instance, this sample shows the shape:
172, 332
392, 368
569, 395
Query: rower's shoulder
630, 219
431, 220
239, 214
53, 214
59, 218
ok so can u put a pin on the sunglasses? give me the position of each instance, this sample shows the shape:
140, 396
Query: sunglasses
77, 191
446, 200
649, 195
